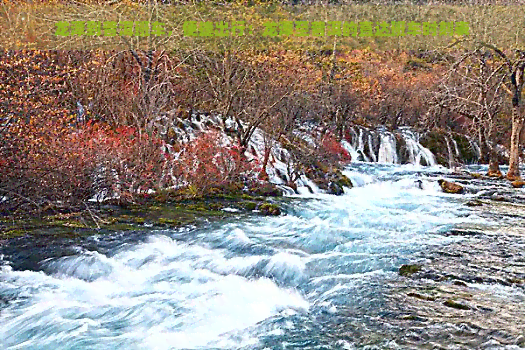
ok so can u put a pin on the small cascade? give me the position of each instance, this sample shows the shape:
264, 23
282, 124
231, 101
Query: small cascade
456, 150
417, 154
474, 145
371, 147
399, 147
387, 149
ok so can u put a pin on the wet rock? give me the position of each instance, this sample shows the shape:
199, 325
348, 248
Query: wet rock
421, 296
450, 187
497, 174
459, 283
292, 185
250, 205
408, 270
520, 341
518, 183
435, 142
500, 198
463, 232
455, 305
401, 148
474, 203
269, 209
334, 188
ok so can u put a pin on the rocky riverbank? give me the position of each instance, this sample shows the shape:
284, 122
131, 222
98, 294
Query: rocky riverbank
164, 210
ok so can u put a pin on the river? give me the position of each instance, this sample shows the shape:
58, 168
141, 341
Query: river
322, 276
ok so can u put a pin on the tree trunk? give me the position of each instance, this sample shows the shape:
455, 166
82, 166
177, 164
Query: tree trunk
514, 158
494, 170
485, 148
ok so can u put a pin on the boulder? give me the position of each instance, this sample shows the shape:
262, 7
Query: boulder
334, 188
497, 173
518, 183
474, 203
269, 209
408, 270
450, 187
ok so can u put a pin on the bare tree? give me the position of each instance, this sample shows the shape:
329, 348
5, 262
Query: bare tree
473, 88
514, 83
248, 89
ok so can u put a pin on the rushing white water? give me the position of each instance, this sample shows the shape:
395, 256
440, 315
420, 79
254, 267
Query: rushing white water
381, 146
251, 283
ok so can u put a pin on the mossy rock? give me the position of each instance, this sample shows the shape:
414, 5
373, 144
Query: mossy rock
450, 187
169, 222
408, 270
474, 203
269, 209
435, 141
466, 152
14, 233
421, 296
216, 206
344, 181
249, 205
455, 305
266, 190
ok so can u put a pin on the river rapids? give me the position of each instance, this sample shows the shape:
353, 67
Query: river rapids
323, 276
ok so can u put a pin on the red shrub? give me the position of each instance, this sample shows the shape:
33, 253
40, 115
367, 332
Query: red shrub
53, 161
208, 161
332, 150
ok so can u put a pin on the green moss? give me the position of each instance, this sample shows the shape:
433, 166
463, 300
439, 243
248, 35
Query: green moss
14, 233
453, 304
344, 181
249, 205
215, 206
407, 270
270, 209
466, 152
168, 221
436, 143
415, 63
68, 223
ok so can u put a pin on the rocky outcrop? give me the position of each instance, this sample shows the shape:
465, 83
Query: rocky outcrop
450, 146
332, 181
450, 187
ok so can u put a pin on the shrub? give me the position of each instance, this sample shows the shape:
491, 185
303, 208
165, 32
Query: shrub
209, 161
331, 151
50, 161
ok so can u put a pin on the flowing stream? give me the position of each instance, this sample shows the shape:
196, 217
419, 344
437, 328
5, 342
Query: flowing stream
322, 276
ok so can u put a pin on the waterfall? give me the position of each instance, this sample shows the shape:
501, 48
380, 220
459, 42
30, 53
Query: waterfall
386, 149
474, 145
418, 154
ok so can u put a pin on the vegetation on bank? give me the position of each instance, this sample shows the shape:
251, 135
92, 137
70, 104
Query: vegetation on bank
77, 126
